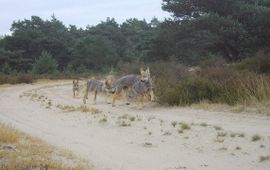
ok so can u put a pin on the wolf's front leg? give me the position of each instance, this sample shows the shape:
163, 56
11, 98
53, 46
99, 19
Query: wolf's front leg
115, 95
85, 97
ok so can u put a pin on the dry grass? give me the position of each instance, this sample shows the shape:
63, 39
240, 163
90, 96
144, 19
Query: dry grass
8, 135
20, 151
253, 106
92, 110
67, 108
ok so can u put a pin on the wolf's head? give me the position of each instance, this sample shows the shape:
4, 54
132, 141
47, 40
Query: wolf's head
109, 81
145, 75
76, 83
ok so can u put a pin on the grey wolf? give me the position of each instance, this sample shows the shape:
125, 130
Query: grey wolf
126, 82
97, 86
75, 88
142, 89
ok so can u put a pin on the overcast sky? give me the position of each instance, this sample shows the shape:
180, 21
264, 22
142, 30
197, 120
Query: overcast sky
78, 12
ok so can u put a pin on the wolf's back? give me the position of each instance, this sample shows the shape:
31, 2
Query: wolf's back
124, 82
94, 85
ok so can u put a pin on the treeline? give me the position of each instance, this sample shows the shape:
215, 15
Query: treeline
105, 45
199, 30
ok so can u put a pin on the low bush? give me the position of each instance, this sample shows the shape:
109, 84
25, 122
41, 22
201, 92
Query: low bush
258, 64
216, 85
176, 84
15, 79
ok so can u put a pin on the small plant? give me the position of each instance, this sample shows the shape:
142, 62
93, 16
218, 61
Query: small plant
232, 135
221, 134
219, 140
241, 135
34, 95
264, 158
94, 110
185, 126
256, 138
147, 144
204, 125
223, 149
218, 128
180, 131
103, 120
132, 118
124, 124
237, 148
262, 146
151, 118
124, 116
174, 123
167, 133
149, 133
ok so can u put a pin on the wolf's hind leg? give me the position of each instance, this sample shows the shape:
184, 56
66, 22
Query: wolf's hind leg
86, 94
95, 97
126, 97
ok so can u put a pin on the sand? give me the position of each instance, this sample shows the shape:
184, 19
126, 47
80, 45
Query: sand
127, 138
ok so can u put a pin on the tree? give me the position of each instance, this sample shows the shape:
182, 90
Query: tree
31, 37
233, 29
95, 52
45, 64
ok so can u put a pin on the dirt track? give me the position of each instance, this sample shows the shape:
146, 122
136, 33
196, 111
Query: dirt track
125, 137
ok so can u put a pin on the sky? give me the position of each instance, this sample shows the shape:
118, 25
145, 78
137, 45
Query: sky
78, 12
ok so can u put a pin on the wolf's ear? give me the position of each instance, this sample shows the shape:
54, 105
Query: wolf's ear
148, 70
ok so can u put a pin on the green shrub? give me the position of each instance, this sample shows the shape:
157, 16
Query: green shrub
258, 64
6, 69
45, 64
69, 69
81, 69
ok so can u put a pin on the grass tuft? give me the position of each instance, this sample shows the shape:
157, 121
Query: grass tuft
264, 158
174, 123
185, 126
255, 138
7, 134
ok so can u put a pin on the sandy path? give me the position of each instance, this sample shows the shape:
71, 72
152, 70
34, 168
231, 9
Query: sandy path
151, 142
